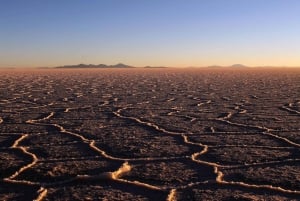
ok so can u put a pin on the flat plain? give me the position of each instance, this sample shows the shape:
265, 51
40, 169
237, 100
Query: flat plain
150, 134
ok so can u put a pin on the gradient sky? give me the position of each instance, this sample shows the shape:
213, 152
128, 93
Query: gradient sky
149, 32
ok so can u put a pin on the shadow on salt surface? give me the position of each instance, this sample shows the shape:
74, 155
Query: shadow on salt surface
238, 138
283, 175
104, 190
246, 155
7, 140
11, 160
9, 191
22, 128
170, 173
230, 193
140, 142
62, 170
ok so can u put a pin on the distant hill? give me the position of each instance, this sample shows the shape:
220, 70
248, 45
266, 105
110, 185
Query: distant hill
232, 66
155, 67
238, 66
119, 65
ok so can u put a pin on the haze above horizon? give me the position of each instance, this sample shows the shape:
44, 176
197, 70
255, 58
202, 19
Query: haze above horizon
174, 33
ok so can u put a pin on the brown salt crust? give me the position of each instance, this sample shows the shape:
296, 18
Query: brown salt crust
147, 134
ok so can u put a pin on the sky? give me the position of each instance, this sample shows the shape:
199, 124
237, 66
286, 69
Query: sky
178, 33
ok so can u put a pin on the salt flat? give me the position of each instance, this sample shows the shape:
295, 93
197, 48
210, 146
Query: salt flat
150, 134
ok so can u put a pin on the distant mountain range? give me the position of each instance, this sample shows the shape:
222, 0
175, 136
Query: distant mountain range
232, 66
119, 65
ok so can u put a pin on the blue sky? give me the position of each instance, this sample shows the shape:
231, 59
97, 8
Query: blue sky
149, 32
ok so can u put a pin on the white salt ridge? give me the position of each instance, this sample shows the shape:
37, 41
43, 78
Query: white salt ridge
152, 125
107, 175
91, 143
289, 109
172, 195
116, 175
171, 99
35, 107
265, 130
141, 184
42, 194
220, 180
23, 149
249, 146
76, 108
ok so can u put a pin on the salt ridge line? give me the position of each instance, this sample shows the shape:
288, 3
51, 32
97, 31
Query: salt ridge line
103, 175
68, 109
45, 118
193, 157
33, 156
116, 176
289, 109
35, 107
173, 113
25, 167
144, 102
185, 138
282, 138
205, 150
107, 175
264, 163
24, 182
118, 114
121, 159
139, 182
202, 103
220, 175
220, 180
91, 143
192, 119
249, 146
265, 130
225, 120
171, 99
172, 195
42, 194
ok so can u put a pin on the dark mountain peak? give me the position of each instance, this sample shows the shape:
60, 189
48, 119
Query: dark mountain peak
120, 65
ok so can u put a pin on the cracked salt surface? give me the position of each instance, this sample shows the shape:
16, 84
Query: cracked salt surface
150, 135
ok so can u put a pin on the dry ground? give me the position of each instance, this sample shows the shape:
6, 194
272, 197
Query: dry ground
155, 134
